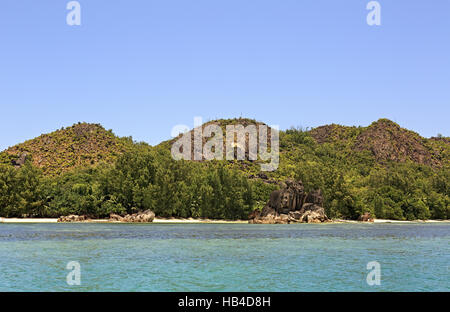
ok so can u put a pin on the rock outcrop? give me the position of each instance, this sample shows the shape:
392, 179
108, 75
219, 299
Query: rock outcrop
20, 161
73, 218
366, 217
291, 204
140, 217
115, 218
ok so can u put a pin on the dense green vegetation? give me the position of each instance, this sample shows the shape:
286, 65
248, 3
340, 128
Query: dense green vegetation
354, 181
400, 184
139, 180
80, 145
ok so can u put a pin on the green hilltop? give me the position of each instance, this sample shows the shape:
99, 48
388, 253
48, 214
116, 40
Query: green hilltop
383, 169
80, 145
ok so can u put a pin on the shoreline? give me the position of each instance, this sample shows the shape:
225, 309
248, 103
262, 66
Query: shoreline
156, 220
207, 221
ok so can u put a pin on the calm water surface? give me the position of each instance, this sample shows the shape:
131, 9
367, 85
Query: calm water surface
226, 257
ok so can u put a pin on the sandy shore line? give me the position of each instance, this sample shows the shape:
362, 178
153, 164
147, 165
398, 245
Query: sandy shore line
420, 221
156, 220
392, 221
28, 220
197, 221
191, 220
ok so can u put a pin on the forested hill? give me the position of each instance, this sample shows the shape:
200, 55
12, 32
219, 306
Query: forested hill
80, 145
86, 144
386, 141
83, 169
383, 140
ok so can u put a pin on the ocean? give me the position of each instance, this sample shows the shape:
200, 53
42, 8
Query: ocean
225, 257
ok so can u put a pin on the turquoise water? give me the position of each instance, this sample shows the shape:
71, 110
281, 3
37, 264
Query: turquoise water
226, 257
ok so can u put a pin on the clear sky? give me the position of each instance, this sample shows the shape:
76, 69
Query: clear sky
140, 67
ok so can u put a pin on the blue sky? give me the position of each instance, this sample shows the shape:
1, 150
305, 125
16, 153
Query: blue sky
140, 67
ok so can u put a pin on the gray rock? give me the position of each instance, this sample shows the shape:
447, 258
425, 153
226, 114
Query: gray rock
291, 204
315, 197
366, 217
72, 218
140, 217
20, 161
289, 198
115, 218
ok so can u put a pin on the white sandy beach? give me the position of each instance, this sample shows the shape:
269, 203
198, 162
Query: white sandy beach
196, 221
156, 220
28, 220
191, 220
